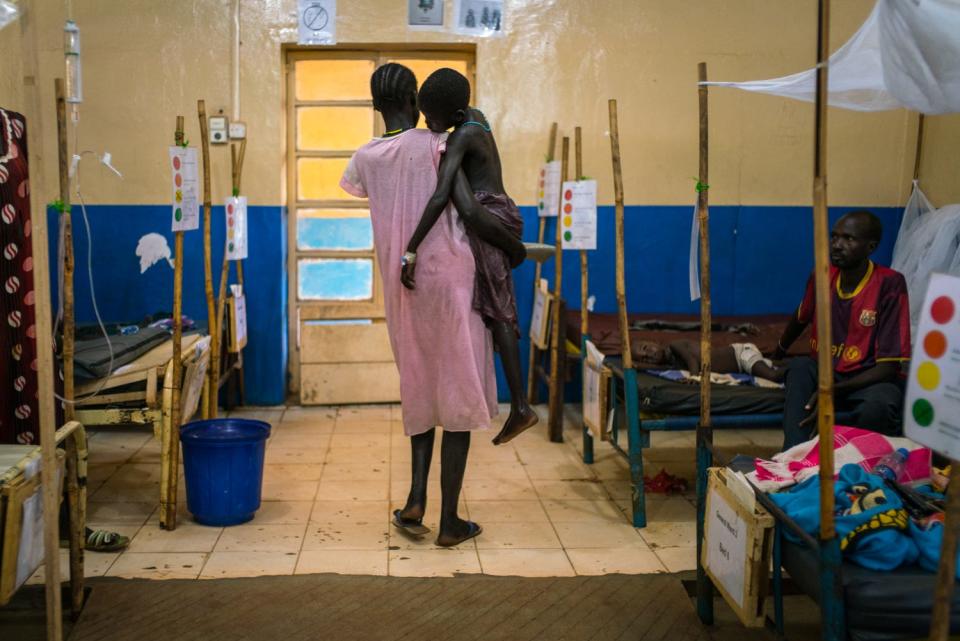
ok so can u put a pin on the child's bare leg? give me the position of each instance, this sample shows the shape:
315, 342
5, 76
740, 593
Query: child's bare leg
522, 416
775, 374
485, 225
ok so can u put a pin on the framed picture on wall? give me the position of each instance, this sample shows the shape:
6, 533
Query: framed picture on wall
425, 14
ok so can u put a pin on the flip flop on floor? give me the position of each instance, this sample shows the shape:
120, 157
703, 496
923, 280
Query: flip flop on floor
413, 527
473, 529
106, 541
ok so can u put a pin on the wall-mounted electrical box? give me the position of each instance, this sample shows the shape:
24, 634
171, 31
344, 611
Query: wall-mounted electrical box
219, 134
238, 130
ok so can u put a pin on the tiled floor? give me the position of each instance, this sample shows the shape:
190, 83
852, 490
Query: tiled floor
333, 476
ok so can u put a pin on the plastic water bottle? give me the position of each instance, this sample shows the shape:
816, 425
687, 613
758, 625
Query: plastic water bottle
891, 466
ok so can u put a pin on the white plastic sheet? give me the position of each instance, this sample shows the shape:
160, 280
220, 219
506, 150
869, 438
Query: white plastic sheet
927, 243
906, 54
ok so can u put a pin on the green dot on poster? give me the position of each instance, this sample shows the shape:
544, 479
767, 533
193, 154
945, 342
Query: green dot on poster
568, 236
541, 206
231, 246
923, 412
178, 214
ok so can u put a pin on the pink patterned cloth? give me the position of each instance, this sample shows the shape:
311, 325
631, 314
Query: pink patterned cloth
850, 445
442, 348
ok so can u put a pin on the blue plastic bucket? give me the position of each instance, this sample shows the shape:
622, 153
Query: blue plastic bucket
223, 468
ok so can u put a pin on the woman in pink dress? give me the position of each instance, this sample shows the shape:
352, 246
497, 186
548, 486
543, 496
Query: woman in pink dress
442, 348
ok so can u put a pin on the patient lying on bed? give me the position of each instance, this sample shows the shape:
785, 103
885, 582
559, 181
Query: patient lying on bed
742, 358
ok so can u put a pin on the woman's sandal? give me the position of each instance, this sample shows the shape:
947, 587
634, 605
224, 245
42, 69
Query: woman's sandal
106, 541
473, 529
413, 527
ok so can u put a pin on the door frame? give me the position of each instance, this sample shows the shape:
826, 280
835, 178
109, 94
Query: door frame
380, 53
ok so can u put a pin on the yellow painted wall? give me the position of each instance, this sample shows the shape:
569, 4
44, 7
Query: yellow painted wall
940, 165
145, 61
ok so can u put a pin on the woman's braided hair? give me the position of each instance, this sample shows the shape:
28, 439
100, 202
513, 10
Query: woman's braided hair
391, 83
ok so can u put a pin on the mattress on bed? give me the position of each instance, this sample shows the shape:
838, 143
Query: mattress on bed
92, 356
879, 606
660, 396
605, 331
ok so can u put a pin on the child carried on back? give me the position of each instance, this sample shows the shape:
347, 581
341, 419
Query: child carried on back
471, 162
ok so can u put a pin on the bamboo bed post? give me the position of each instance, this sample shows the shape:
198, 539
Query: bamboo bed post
46, 373
170, 454
618, 212
704, 427
584, 293
69, 321
531, 363
236, 166
831, 603
74, 490
211, 409
635, 452
555, 400
918, 154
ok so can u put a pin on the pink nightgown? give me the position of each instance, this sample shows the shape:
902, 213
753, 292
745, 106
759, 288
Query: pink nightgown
442, 348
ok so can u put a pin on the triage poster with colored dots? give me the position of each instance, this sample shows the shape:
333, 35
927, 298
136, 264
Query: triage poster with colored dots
932, 410
548, 189
236, 219
183, 179
578, 214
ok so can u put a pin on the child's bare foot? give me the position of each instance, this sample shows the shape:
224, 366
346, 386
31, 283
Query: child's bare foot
518, 421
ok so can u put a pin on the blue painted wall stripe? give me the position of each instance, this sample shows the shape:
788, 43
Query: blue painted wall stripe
761, 258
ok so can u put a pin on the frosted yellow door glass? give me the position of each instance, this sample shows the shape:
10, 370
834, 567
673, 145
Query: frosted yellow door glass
319, 179
334, 79
422, 69
333, 128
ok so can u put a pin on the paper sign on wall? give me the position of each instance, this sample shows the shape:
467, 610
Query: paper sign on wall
482, 18
579, 220
548, 189
236, 210
425, 14
238, 319
932, 411
183, 177
316, 22
593, 388
540, 317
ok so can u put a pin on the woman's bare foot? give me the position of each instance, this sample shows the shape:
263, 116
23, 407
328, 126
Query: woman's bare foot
458, 532
520, 420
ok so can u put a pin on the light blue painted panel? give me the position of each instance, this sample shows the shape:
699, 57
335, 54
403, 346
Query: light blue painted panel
335, 279
334, 233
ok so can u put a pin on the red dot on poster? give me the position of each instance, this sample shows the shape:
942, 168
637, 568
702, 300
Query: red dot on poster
568, 194
942, 310
935, 344
567, 208
176, 162
542, 173
230, 221
230, 208
177, 180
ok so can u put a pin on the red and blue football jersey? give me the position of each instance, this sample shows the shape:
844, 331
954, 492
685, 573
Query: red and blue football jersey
870, 325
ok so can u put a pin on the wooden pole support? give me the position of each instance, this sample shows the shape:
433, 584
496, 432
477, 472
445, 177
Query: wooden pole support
46, 373
208, 263
69, 318
170, 454
918, 154
555, 399
703, 215
541, 231
618, 208
584, 280
946, 572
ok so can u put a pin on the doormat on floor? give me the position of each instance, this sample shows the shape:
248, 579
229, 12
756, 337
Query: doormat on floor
364, 608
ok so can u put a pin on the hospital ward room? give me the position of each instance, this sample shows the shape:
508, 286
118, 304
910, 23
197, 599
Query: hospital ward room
479, 320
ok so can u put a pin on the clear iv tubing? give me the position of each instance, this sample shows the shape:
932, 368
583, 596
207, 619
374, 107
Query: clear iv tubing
93, 295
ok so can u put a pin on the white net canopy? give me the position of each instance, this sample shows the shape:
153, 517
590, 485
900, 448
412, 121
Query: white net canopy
906, 54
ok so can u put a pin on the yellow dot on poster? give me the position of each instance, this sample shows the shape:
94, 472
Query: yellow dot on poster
541, 194
928, 375
567, 221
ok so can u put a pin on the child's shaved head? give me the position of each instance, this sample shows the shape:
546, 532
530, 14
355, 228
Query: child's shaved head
444, 92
